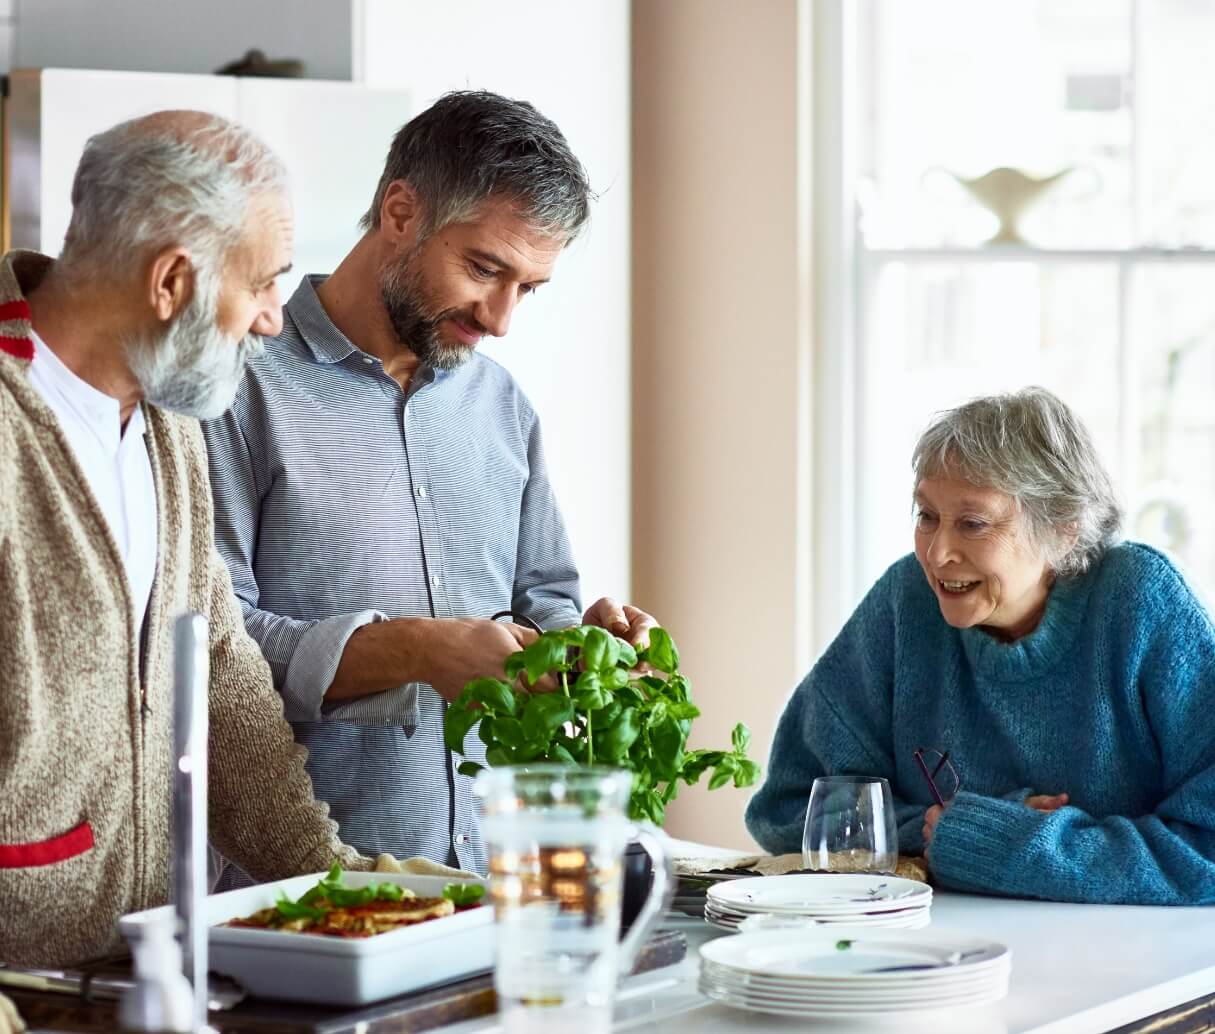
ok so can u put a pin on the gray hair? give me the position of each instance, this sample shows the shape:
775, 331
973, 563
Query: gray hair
174, 178
1030, 446
471, 145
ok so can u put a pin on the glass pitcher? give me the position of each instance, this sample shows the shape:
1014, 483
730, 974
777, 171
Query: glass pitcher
556, 837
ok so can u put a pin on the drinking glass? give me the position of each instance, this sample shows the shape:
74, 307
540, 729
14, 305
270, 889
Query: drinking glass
556, 837
850, 826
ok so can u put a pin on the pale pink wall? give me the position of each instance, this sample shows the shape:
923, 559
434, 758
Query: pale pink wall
720, 354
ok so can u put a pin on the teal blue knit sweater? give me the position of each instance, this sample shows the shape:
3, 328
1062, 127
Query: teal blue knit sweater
1111, 700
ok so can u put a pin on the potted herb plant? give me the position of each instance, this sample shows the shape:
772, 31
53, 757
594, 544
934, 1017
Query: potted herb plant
614, 705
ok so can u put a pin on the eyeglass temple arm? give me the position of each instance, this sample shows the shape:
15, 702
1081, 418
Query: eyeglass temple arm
932, 786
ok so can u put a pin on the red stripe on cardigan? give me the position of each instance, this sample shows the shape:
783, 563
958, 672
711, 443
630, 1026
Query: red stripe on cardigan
18, 310
46, 852
21, 347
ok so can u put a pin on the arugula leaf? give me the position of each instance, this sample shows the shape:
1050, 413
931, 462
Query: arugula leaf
289, 909
463, 894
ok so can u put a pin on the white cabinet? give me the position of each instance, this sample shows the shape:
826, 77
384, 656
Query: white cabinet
332, 136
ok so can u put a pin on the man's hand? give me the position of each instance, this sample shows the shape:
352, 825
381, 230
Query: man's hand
459, 650
1047, 801
622, 620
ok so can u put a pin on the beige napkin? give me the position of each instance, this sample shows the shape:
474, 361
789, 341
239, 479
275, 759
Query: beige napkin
10, 1021
909, 867
416, 866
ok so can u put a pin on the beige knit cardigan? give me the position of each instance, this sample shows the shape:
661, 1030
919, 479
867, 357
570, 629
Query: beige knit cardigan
86, 716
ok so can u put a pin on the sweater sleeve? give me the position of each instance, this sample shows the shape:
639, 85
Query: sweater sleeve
838, 721
1165, 857
263, 814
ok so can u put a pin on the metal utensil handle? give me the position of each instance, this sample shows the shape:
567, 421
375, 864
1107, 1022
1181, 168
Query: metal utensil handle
656, 902
518, 619
191, 672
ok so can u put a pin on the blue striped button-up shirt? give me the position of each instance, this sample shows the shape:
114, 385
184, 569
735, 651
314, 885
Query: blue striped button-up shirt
341, 499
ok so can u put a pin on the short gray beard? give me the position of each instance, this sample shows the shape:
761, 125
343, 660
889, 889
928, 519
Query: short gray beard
192, 367
411, 313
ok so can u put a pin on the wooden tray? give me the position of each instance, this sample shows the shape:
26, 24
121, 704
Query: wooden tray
425, 1010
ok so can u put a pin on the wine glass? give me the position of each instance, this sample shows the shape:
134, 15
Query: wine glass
850, 826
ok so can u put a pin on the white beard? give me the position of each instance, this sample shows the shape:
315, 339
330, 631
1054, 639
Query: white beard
193, 367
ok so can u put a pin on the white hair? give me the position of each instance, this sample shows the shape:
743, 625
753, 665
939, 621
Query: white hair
1031, 446
169, 179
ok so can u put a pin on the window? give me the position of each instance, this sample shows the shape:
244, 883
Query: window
1109, 297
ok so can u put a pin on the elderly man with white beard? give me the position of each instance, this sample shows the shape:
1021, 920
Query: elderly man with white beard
181, 222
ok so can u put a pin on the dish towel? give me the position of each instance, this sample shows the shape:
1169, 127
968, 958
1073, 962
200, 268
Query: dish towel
10, 1022
416, 866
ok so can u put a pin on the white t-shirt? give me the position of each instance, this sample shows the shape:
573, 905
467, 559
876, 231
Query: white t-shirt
115, 461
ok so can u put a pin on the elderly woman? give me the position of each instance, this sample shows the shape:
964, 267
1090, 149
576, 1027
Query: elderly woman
1071, 679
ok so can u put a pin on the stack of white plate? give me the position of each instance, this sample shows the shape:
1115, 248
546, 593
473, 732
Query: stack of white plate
854, 972
852, 898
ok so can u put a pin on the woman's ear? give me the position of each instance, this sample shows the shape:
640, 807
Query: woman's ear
170, 282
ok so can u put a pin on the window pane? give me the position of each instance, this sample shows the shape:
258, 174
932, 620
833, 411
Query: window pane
1172, 503
972, 85
1177, 121
943, 333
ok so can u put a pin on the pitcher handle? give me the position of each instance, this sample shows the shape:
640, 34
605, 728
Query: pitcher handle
656, 902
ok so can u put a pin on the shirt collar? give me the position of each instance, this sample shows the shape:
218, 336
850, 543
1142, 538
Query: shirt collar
328, 344
324, 340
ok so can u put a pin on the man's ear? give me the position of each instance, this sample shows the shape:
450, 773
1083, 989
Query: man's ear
170, 283
400, 213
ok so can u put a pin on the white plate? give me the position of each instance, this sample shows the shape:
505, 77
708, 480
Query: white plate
767, 921
853, 954
812, 1010
821, 894
337, 970
908, 991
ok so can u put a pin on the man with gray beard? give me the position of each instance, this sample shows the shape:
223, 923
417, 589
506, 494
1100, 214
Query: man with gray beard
380, 486
166, 284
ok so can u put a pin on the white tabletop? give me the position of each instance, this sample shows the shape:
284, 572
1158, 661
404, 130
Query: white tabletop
1076, 969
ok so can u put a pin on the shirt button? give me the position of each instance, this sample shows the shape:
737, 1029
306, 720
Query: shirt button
462, 838
435, 580
421, 491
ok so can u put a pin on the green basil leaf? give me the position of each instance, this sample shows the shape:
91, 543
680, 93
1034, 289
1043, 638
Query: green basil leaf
509, 732
456, 725
469, 768
616, 678
464, 894
388, 892
547, 653
747, 773
497, 757
492, 694
684, 712
485, 731
667, 740
658, 714
661, 652
514, 664
620, 735
545, 713
595, 649
740, 738
721, 776
628, 655
558, 755
289, 909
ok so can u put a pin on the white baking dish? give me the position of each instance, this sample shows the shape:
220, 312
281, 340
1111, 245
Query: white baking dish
340, 971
